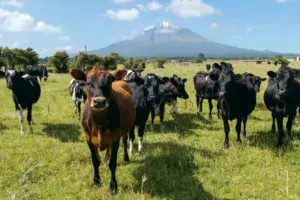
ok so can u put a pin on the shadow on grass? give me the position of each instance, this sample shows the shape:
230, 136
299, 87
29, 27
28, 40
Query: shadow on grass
171, 174
63, 132
3, 127
251, 117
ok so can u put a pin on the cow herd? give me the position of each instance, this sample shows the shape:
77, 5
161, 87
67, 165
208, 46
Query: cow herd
114, 104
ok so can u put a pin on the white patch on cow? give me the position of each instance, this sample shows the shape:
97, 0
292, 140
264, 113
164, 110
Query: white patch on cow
174, 109
140, 144
129, 72
130, 148
26, 76
72, 81
11, 71
21, 119
206, 78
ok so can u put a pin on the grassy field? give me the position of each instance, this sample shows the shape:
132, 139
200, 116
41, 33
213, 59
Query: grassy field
186, 161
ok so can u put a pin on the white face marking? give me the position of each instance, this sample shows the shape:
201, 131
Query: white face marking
11, 72
129, 72
206, 78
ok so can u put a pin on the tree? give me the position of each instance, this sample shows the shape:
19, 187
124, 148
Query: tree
86, 61
280, 60
135, 63
109, 62
2, 63
200, 58
32, 56
60, 61
160, 62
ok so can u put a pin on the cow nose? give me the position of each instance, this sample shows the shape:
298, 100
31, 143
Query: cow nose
98, 102
281, 92
221, 94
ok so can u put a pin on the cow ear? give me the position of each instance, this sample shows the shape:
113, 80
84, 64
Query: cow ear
172, 80
78, 74
271, 74
184, 80
263, 79
175, 76
214, 77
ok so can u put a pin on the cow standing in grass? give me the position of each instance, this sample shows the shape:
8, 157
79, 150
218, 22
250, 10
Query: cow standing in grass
255, 80
40, 72
78, 93
26, 91
109, 114
208, 67
237, 99
282, 98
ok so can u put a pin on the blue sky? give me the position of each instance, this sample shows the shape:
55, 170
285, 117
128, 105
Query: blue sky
51, 25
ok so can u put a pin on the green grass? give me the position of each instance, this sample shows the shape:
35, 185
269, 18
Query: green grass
186, 161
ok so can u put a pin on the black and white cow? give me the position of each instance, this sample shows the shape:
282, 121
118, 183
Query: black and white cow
77, 90
282, 98
237, 99
169, 91
26, 91
40, 72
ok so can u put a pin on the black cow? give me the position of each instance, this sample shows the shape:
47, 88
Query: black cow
40, 72
206, 88
169, 91
144, 92
26, 92
208, 67
237, 99
77, 90
2, 74
255, 80
282, 98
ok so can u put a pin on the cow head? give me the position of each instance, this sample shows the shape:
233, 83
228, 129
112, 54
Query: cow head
256, 80
44, 74
99, 86
225, 76
284, 78
179, 87
151, 84
12, 77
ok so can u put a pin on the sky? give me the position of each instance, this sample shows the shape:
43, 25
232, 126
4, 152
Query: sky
52, 25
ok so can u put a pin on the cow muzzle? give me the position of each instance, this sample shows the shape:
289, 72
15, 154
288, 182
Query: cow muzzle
99, 103
282, 93
221, 94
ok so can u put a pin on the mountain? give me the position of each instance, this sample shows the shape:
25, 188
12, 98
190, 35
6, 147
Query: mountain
166, 40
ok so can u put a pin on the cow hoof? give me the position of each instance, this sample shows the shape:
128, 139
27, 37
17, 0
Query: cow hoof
97, 182
239, 141
244, 135
210, 117
226, 146
126, 159
113, 188
141, 152
22, 132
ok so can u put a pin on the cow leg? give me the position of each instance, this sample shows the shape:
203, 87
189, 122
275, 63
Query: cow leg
21, 119
96, 163
210, 108
219, 109
107, 156
113, 186
198, 103
75, 104
226, 130
79, 109
289, 125
141, 132
152, 118
174, 109
131, 139
245, 125
29, 115
273, 129
125, 157
201, 103
280, 131
161, 116
238, 128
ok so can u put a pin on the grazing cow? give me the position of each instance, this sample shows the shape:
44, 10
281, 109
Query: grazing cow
26, 91
282, 98
237, 99
40, 72
77, 91
255, 80
2, 74
208, 67
206, 88
169, 91
258, 62
269, 63
109, 114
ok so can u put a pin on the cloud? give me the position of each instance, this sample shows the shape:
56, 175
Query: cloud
214, 25
15, 44
68, 49
124, 15
141, 7
249, 29
64, 38
46, 28
154, 6
123, 1
149, 28
15, 3
43, 51
191, 8
281, 1
15, 21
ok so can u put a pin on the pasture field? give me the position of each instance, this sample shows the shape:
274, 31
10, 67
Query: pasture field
185, 161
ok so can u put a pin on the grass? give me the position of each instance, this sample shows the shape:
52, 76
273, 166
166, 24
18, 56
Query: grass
186, 161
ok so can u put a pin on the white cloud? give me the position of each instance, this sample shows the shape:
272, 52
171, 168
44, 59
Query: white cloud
68, 49
154, 6
64, 38
123, 1
149, 28
214, 25
125, 15
43, 51
250, 29
1, 36
191, 8
46, 28
281, 1
142, 7
15, 44
15, 3
15, 21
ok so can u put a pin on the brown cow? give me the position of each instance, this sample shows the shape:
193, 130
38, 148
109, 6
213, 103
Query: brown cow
120, 74
109, 114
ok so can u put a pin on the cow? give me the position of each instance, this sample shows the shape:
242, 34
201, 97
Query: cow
282, 98
169, 90
237, 99
109, 114
206, 88
258, 62
269, 63
77, 91
26, 92
2, 74
40, 72
255, 80
208, 67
